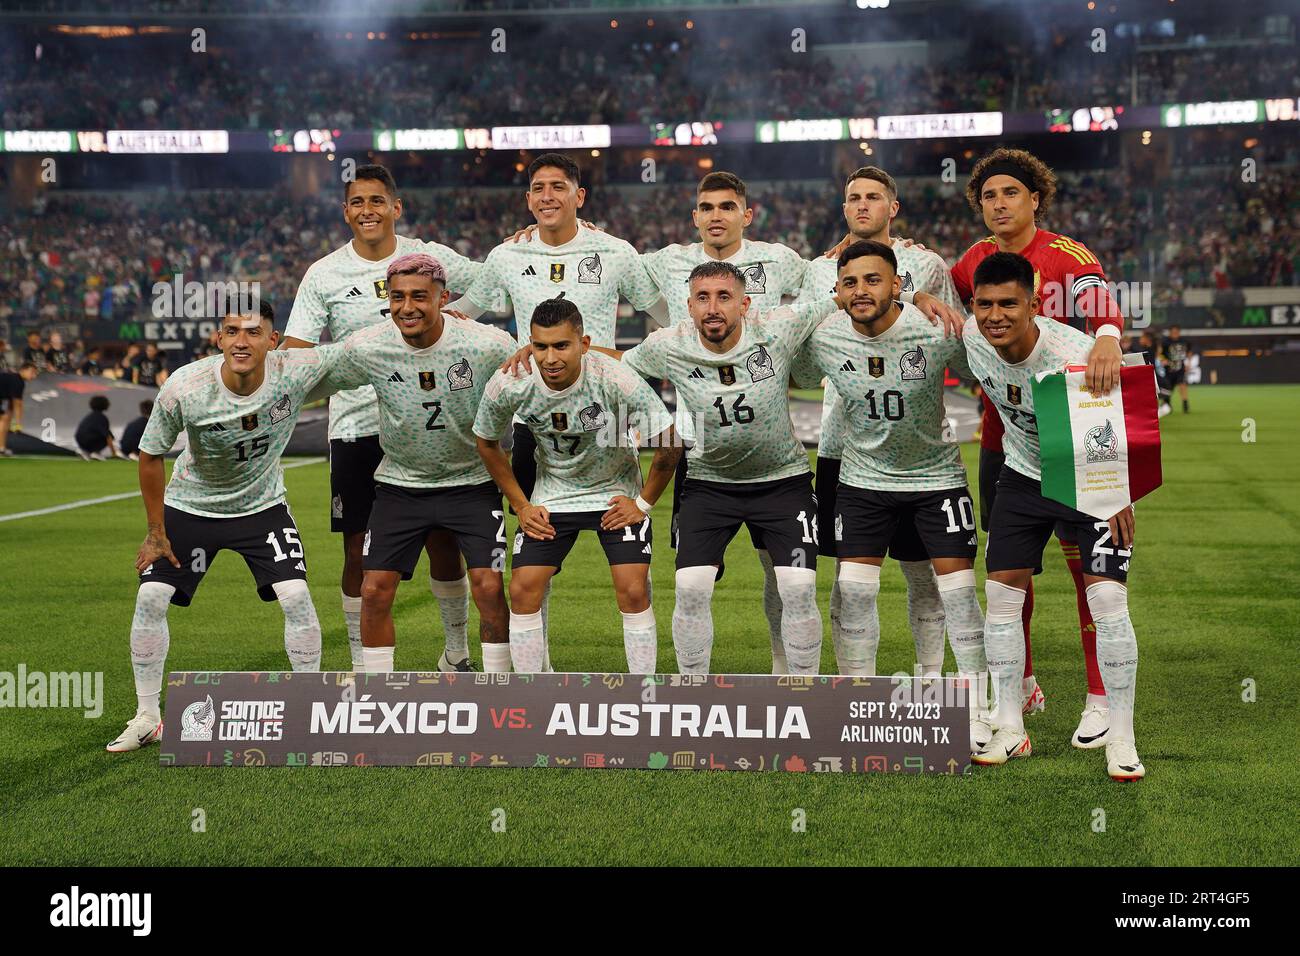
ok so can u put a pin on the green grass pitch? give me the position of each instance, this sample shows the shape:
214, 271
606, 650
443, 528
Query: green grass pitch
1214, 602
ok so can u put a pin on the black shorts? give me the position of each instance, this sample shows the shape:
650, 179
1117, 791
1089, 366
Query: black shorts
680, 488
352, 482
630, 545
1023, 520
906, 545
1175, 377
784, 512
267, 541
403, 517
991, 463
866, 522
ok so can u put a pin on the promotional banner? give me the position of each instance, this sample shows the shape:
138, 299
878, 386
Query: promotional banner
662, 722
1099, 455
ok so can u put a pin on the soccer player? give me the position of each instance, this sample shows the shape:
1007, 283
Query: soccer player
12, 386
134, 431
1008, 343
238, 411
870, 206
1013, 189
429, 372
887, 361
1174, 351
581, 407
343, 292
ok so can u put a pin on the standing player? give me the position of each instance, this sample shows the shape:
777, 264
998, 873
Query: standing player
1008, 344
343, 292
428, 373
887, 362
870, 205
238, 411
1174, 351
1013, 189
12, 386
581, 407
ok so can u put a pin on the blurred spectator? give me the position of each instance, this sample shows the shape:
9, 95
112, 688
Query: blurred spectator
94, 436
56, 356
126, 365
5, 357
35, 351
134, 430
91, 364
211, 347
151, 369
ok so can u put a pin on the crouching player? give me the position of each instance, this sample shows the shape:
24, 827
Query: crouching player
238, 410
1007, 344
580, 407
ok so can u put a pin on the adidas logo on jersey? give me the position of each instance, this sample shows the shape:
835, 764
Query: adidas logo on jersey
530, 271
353, 292
848, 366
696, 373
396, 377
218, 427
533, 420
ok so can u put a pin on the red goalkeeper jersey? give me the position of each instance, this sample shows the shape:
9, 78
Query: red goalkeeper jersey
1070, 283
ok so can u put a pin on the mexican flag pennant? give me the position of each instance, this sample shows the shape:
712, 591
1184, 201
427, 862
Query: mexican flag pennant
1099, 455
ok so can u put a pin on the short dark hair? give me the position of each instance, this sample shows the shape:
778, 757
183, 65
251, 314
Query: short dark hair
236, 308
552, 312
99, 403
868, 247
375, 173
146, 407
716, 268
722, 180
1003, 267
876, 174
558, 161
27, 365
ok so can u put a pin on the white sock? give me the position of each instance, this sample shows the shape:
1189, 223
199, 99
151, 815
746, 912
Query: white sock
836, 608
772, 611
453, 608
965, 623
546, 630
1004, 645
527, 643
496, 658
801, 621
301, 626
693, 619
378, 660
352, 618
1117, 653
640, 641
149, 642
859, 619
1096, 700
925, 612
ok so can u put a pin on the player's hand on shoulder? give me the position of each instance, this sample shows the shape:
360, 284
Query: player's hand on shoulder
457, 314
1104, 362
535, 520
912, 244
940, 313
622, 513
834, 251
155, 546
520, 363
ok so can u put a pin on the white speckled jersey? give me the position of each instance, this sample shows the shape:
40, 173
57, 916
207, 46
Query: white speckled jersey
921, 271
592, 270
738, 401
771, 272
427, 398
231, 465
343, 292
584, 453
891, 395
1010, 389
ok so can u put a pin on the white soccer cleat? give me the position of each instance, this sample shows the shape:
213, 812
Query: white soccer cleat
981, 731
142, 729
1007, 744
448, 666
1165, 409
1035, 702
1123, 763
1091, 732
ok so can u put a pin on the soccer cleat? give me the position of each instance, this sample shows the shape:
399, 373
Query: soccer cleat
1005, 745
448, 666
1123, 763
1091, 732
1035, 702
1165, 409
142, 729
981, 731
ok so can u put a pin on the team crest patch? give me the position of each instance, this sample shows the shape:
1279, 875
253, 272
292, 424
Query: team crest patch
908, 285
1013, 394
755, 279
1101, 443
249, 422
557, 271
336, 507
281, 409
589, 269
727, 374
560, 421
760, 365
592, 417
198, 719
875, 366
912, 364
460, 375
519, 541
428, 381
381, 288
